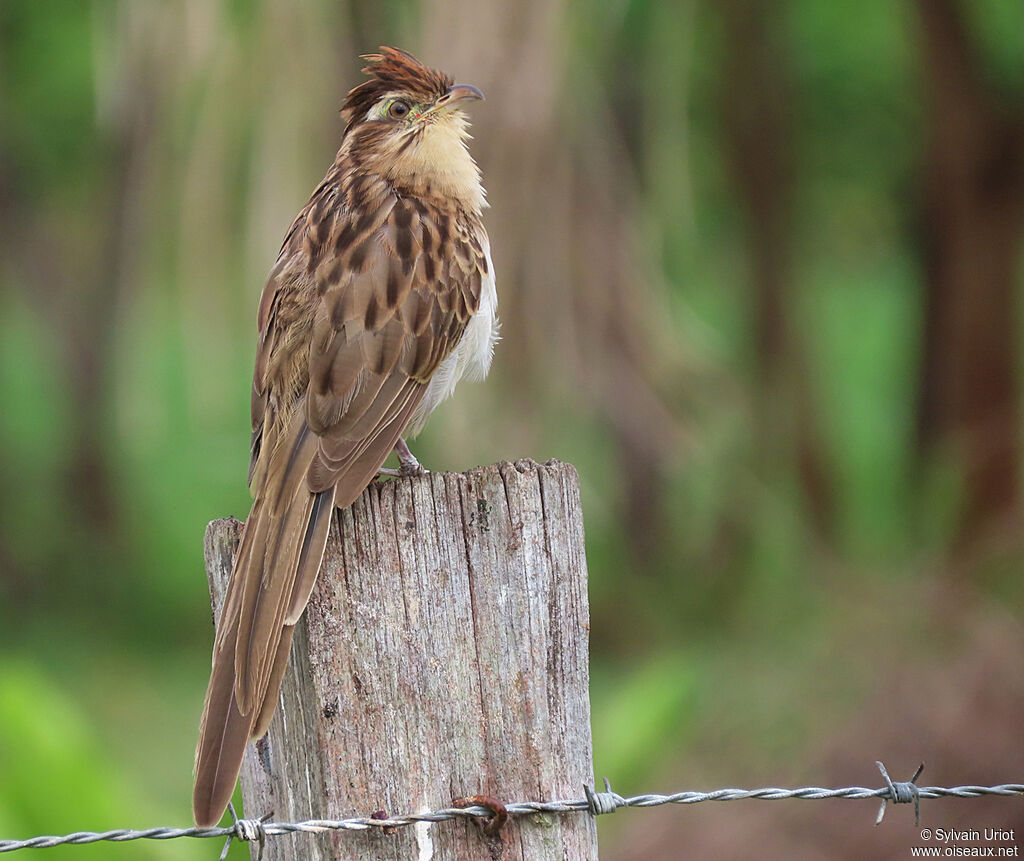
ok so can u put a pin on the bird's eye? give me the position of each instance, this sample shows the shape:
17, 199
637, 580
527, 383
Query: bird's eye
398, 109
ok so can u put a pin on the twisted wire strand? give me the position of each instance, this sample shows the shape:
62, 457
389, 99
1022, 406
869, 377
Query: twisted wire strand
595, 803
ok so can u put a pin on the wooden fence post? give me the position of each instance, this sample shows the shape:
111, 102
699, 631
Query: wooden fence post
443, 654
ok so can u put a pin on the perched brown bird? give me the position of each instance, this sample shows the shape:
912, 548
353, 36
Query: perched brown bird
381, 300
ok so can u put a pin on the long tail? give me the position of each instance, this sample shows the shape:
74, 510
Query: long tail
278, 559
275, 570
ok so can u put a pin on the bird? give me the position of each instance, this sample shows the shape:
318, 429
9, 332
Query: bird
382, 298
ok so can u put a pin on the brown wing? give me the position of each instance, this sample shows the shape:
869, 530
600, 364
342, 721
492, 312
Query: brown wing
357, 316
379, 335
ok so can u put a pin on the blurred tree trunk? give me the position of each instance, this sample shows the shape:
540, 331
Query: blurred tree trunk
757, 105
88, 321
93, 289
73, 287
973, 203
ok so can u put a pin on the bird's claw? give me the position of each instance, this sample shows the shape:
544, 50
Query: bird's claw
404, 471
412, 469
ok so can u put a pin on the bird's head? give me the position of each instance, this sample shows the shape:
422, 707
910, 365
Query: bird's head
406, 124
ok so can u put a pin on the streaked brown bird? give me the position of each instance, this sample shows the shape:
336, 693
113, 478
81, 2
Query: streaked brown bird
381, 300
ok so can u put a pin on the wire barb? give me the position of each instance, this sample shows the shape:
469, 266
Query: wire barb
901, 792
246, 830
599, 803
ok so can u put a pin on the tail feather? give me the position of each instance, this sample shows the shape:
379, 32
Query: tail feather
312, 553
266, 712
223, 734
267, 595
278, 559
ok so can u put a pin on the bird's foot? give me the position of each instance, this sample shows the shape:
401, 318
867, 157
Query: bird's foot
408, 465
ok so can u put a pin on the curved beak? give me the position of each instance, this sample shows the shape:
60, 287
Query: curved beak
459, 93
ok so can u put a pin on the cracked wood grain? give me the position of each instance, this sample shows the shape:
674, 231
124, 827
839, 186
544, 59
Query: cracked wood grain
443, 654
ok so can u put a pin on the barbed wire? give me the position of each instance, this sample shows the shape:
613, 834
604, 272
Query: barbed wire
595, 803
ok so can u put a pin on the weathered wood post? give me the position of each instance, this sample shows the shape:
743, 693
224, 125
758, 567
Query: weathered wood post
443, 654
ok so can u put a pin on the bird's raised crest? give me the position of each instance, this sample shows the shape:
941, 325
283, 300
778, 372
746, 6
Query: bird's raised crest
393, 71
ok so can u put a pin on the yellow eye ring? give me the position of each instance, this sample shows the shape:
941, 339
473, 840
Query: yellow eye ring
398, 109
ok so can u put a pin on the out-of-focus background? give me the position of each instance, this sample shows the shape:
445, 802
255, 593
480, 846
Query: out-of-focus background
759, 264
